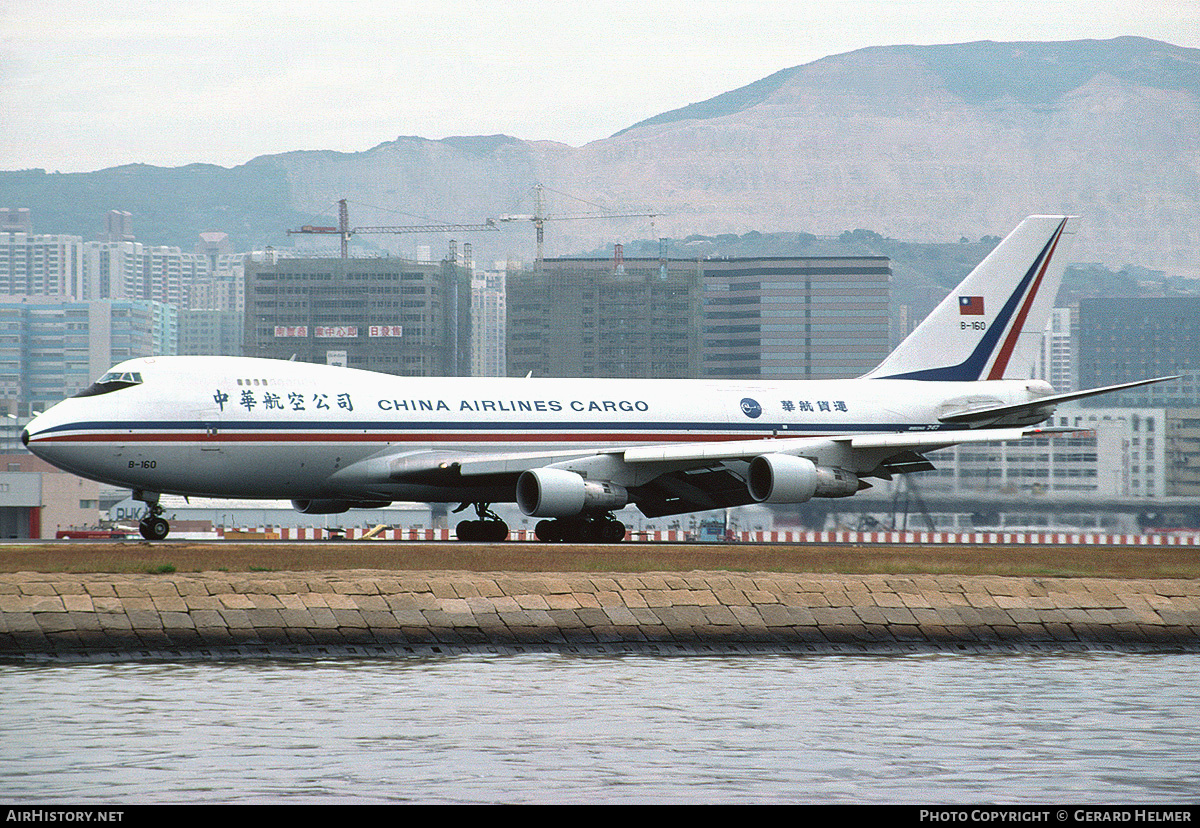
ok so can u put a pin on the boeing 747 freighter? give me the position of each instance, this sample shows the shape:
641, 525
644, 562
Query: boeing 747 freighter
571, 451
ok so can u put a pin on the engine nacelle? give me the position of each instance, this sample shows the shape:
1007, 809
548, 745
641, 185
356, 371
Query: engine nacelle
335, 507
782, 478
561, 493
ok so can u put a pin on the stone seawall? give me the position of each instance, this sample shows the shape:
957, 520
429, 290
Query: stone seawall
71, 617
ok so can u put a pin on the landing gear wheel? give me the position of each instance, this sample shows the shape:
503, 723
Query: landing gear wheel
601, 529
547, 531
154, 528
493, 531
612, 531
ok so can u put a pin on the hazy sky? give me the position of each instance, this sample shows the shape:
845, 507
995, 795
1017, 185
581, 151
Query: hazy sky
86, 85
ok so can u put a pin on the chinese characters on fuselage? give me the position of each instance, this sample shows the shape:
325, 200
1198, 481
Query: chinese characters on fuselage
808, 405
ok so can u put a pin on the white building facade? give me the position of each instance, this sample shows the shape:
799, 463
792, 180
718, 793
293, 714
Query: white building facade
1120, 454
488, 316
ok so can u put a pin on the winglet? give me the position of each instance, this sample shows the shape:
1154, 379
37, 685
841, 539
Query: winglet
991, 325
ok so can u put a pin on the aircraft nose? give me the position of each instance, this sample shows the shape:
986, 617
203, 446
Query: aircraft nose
31, 430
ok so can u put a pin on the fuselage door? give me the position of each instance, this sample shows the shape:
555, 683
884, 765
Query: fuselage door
210, 438
209, 417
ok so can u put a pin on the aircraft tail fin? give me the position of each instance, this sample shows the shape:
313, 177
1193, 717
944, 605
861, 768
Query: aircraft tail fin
991, 325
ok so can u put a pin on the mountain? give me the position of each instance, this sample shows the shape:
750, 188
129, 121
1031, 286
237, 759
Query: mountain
936, 142
912, 142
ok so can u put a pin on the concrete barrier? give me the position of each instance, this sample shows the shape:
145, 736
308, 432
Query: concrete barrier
71, 617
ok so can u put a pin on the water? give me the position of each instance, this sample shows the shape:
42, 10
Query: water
933, 728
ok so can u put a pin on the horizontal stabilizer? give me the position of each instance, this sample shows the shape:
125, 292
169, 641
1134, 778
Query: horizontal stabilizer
1034, 410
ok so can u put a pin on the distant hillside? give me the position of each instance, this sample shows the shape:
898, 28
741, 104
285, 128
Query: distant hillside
926, 143
1035, 74
169, 205
934, 142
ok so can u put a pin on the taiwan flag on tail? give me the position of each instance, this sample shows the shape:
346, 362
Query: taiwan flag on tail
970, 305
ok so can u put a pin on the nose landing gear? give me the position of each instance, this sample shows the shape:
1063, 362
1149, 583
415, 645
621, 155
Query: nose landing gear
153, 525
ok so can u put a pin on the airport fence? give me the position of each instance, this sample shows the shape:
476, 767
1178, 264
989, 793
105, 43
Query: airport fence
1080, 538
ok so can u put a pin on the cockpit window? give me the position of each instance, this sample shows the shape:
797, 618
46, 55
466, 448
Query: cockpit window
112, 381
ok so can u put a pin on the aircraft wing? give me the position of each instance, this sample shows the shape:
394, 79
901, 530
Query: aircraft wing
665, 479
886, 441
425, 466
715, 475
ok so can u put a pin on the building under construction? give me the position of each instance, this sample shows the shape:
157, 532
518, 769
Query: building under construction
605, 318
383, 314
776, 318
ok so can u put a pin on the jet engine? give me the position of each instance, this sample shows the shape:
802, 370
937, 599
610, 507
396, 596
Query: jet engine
334, 507
561, 493
782, 478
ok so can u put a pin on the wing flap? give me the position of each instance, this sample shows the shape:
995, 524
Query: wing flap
721, 450
514, 463
449, 467
931, 440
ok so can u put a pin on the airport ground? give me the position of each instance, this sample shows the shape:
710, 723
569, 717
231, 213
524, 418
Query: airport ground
313, 556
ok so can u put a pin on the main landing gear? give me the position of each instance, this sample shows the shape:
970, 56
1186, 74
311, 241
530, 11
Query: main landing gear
153, 525
489, 527
603, 528
590, 528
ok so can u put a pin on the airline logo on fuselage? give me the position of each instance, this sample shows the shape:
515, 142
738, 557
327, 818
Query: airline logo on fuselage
751, 408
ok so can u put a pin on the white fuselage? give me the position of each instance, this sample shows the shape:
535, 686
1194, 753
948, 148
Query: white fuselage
256, 428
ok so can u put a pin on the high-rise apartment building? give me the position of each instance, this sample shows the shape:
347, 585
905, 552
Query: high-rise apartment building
16, 220
113, 269
51, 348
488, 318
39, 265
36, 265
132, 270
118, 226
169, 274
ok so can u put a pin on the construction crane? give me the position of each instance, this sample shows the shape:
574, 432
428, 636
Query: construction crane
345, 231
539, 218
